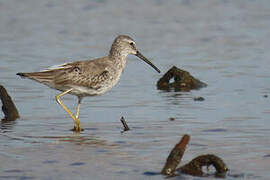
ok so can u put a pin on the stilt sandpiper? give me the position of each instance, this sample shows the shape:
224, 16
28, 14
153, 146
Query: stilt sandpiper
89, 77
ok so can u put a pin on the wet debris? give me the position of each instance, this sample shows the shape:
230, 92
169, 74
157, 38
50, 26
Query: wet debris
267, 156
183, 81
198, 99
171, 118
9, 108
175, 156
123, 121
194, 167
77, 164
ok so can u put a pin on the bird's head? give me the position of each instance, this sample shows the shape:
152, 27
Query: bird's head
124, 45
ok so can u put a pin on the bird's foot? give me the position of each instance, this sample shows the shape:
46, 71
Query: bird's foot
77, 129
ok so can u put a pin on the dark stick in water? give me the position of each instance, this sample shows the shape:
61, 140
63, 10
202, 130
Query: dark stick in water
126, 128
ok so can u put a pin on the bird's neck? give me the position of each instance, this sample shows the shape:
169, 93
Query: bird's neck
118, 56
117, 52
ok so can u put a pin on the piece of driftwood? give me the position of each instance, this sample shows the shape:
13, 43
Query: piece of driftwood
9, 108
175, 156
183, 81
194, 167
126, 128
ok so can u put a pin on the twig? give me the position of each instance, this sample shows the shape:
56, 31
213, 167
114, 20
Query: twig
175, 156
8, 107
126, 128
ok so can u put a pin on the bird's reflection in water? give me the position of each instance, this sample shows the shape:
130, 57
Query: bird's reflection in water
76, 139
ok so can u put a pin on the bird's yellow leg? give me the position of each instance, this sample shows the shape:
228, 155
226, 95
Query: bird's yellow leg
78, 107
76, 120
78, 111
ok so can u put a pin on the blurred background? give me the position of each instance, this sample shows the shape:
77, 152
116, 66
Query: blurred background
224, 43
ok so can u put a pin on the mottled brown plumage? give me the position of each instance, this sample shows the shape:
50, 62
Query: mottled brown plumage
89, 77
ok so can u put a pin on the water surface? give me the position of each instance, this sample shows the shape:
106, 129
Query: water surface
223, 43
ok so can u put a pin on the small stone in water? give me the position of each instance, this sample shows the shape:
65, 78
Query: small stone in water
172, 118
198, 99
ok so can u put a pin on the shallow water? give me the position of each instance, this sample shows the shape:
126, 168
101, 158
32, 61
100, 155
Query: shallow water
223, 43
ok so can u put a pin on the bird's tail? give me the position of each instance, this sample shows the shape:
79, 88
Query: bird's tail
45, 77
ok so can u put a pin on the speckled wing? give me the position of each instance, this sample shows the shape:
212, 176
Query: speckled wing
91, 74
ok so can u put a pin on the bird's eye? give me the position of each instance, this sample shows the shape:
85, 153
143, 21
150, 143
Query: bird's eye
131, 43
76, 69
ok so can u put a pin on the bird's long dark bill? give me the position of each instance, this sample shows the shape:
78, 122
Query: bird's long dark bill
138, 54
